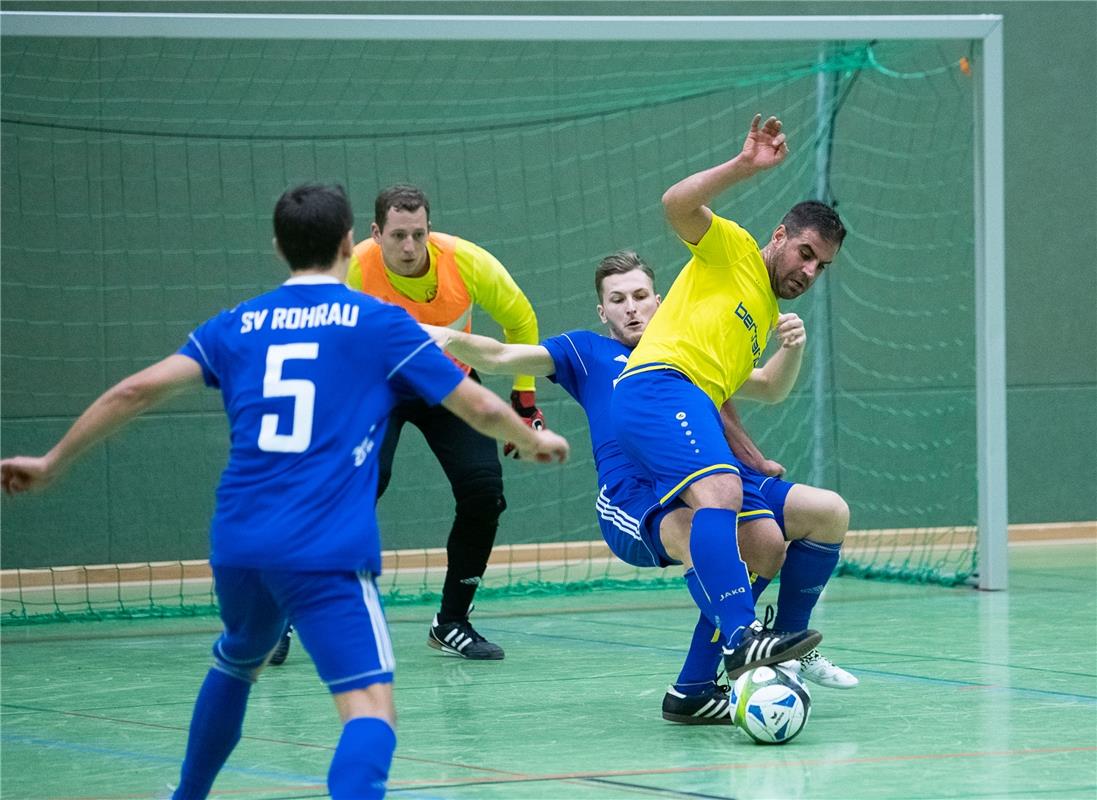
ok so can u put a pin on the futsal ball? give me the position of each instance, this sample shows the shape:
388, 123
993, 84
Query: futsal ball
771, 704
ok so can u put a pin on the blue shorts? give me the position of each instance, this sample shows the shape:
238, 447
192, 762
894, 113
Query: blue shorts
629, 516
763, 497
337, 617
670, 429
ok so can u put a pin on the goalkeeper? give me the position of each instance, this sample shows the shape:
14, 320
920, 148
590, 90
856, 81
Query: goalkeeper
438, 278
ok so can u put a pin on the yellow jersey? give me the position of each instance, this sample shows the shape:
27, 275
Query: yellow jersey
713, 325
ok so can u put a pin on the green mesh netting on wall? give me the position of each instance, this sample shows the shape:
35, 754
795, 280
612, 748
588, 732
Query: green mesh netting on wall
138, 178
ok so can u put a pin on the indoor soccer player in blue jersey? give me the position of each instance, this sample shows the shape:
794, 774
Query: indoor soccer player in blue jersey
308, 373
636, 529
699, 349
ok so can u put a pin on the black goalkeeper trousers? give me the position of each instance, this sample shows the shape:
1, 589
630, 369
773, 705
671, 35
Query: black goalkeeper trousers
471, 463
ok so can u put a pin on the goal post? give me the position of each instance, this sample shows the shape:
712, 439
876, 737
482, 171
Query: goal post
984, 32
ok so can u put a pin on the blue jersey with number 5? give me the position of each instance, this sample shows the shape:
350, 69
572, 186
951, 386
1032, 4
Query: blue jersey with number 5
308, 374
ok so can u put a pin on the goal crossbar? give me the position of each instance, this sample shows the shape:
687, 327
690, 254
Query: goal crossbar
495, 27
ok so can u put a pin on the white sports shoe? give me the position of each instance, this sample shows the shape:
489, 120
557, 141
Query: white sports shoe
817, 668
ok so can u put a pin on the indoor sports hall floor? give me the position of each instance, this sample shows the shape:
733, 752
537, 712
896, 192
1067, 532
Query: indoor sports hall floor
963, 695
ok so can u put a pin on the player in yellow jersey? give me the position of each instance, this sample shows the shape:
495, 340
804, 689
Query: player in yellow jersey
699, 348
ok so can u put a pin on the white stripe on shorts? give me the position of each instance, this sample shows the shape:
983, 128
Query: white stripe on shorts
377, 620
615, 516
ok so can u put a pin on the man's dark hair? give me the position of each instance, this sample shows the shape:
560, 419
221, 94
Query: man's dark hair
402, 196
309, 223
816, 216
618, 264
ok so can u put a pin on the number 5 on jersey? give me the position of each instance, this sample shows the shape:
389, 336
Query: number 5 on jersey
303, 393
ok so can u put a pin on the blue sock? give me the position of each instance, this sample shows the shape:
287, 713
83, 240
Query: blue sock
807, 568
360, 766
721, 574
758, 585
214, 730
703, 659
693, 583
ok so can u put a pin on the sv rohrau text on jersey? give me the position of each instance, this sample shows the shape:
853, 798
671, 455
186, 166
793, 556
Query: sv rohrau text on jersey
295, 318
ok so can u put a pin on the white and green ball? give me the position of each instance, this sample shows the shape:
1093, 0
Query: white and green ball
771, 704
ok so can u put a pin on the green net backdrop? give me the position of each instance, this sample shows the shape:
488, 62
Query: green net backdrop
138, 179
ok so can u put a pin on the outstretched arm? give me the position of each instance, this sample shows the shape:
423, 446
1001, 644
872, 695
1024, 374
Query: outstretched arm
491, 356
686, 203
774, 380
112, 410
491, 416
494, 290
743, 446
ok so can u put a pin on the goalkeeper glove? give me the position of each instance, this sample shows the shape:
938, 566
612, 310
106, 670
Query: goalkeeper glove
525, 406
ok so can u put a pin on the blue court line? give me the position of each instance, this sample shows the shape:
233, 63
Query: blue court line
149, 758
975, 685
854, 651
283, 777
901, 675
542, 779
657, 790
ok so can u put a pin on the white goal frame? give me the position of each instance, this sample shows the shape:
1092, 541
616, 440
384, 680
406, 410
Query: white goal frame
984, 30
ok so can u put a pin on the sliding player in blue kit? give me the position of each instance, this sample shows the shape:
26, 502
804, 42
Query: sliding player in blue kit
308, 373
698, 350
637, 530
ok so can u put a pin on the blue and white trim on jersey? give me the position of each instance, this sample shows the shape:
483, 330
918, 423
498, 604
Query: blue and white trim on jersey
408, 358
578, 357
205, 358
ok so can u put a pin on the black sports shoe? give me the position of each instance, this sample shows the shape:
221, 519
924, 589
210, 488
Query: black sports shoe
711, 708
461, 639
760, 647
281, 650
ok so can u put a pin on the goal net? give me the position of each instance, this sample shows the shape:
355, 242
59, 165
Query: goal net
138, 177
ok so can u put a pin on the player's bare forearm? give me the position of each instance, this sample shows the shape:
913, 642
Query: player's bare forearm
773, 382
782, 371
491, 356
742, 445
109, 412
525, 335
491, 416
687, 202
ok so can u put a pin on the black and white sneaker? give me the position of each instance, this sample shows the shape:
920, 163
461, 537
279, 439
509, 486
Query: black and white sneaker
760, 647
711, 708
461, 639
281, 650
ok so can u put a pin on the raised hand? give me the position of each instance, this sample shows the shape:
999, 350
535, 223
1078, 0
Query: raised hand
765, 146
